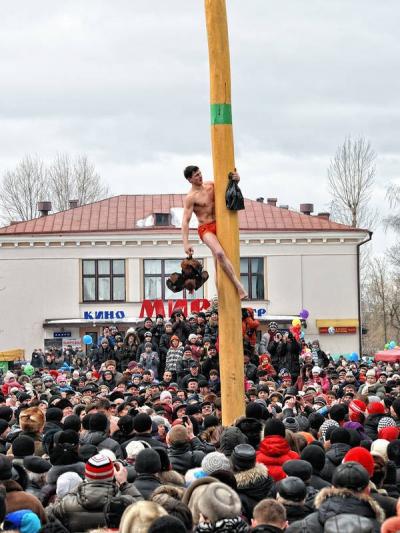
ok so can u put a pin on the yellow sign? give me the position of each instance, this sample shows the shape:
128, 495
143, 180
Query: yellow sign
12, 355
337, 322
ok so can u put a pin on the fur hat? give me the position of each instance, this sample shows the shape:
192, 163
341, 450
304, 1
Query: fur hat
218, 502
215, 461
274, 427
142, 423
23, 446
254, 410
315, 456
98, 422
32, 420
231, 437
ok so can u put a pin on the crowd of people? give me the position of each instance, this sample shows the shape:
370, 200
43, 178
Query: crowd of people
129, 436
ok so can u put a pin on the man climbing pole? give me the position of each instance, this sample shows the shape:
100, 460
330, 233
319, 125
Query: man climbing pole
200, 200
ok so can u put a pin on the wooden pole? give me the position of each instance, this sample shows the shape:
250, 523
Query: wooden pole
229, 307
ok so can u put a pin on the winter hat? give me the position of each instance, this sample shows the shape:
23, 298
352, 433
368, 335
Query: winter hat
298, 468
218, 502
99, 468
340, 435
37, 465
54, 414
165, 394
72, 422
23, 446
316, 370
243, 457
215, 461
291, 423
390, 433
292, 489
98, 422
375, 408
134, 447
5, 468
254, 410
67, 483
371, 373
357, 407
386, 422
32, 420
148, 462
6, 413
164, 524
23, 520
351, 475
3, 426
324, 427
315, 456
303, 422
231, 437
210, 421
274, 427
142, 423
363, 457
380, 446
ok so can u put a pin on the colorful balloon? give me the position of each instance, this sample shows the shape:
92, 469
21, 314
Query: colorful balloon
29, 370
304, 314
87, 339
296, 322
392, 345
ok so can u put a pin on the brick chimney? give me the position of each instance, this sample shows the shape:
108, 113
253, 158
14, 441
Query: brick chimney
272, 201
44, 208
73, 204
324, 215
306, 209
260, 199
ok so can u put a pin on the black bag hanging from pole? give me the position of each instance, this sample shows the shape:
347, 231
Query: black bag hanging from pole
233, 196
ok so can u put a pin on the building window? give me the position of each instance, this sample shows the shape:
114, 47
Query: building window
103, 280
252, 276
162, 219
156, 273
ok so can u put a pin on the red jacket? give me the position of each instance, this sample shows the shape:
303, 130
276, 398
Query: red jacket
273, 451
249, 327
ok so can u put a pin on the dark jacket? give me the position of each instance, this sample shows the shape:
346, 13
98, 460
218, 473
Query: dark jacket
295, 511
49, 490
146, 437
264, 528
146, 484
102, 440
252, 428
86, 508
333, 458
333, 502
317, 482
185, 456
254, 485
371, 425
101, 355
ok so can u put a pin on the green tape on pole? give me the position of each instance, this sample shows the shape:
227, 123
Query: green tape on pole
221, 114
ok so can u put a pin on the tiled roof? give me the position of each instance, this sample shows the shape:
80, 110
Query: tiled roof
121, 214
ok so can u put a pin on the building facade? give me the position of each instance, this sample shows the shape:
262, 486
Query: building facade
67, 274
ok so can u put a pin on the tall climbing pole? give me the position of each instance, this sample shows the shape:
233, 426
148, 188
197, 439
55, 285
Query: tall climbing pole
229, 307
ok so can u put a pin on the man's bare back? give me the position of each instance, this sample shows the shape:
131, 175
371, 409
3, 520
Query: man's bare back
200, 200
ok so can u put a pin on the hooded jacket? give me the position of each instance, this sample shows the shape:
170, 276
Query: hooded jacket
333, 458
254, 485
334, 502
184, 456
273, 451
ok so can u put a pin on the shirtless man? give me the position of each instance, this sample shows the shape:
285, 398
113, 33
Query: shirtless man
200, 201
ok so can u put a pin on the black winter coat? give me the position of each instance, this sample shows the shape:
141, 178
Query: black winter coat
183, 457
371, 425
333, 458
254, 485
333, 502
101, 355
146, 484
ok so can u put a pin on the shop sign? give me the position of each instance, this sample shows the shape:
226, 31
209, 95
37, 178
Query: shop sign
103, 315
339, 329
61, 334
75, 344
260, 312
152, 308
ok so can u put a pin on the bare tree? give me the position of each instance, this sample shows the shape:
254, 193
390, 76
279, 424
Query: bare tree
351, 176
63, 180
74, 180
21, 189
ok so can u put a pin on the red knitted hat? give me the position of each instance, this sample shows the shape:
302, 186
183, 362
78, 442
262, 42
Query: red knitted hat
99, 468
362, 456
356, 408
376, 408
389, 433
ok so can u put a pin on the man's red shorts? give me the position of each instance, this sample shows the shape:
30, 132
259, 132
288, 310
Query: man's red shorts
210, 227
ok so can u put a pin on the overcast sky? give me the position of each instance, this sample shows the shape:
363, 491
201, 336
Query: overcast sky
126, 82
